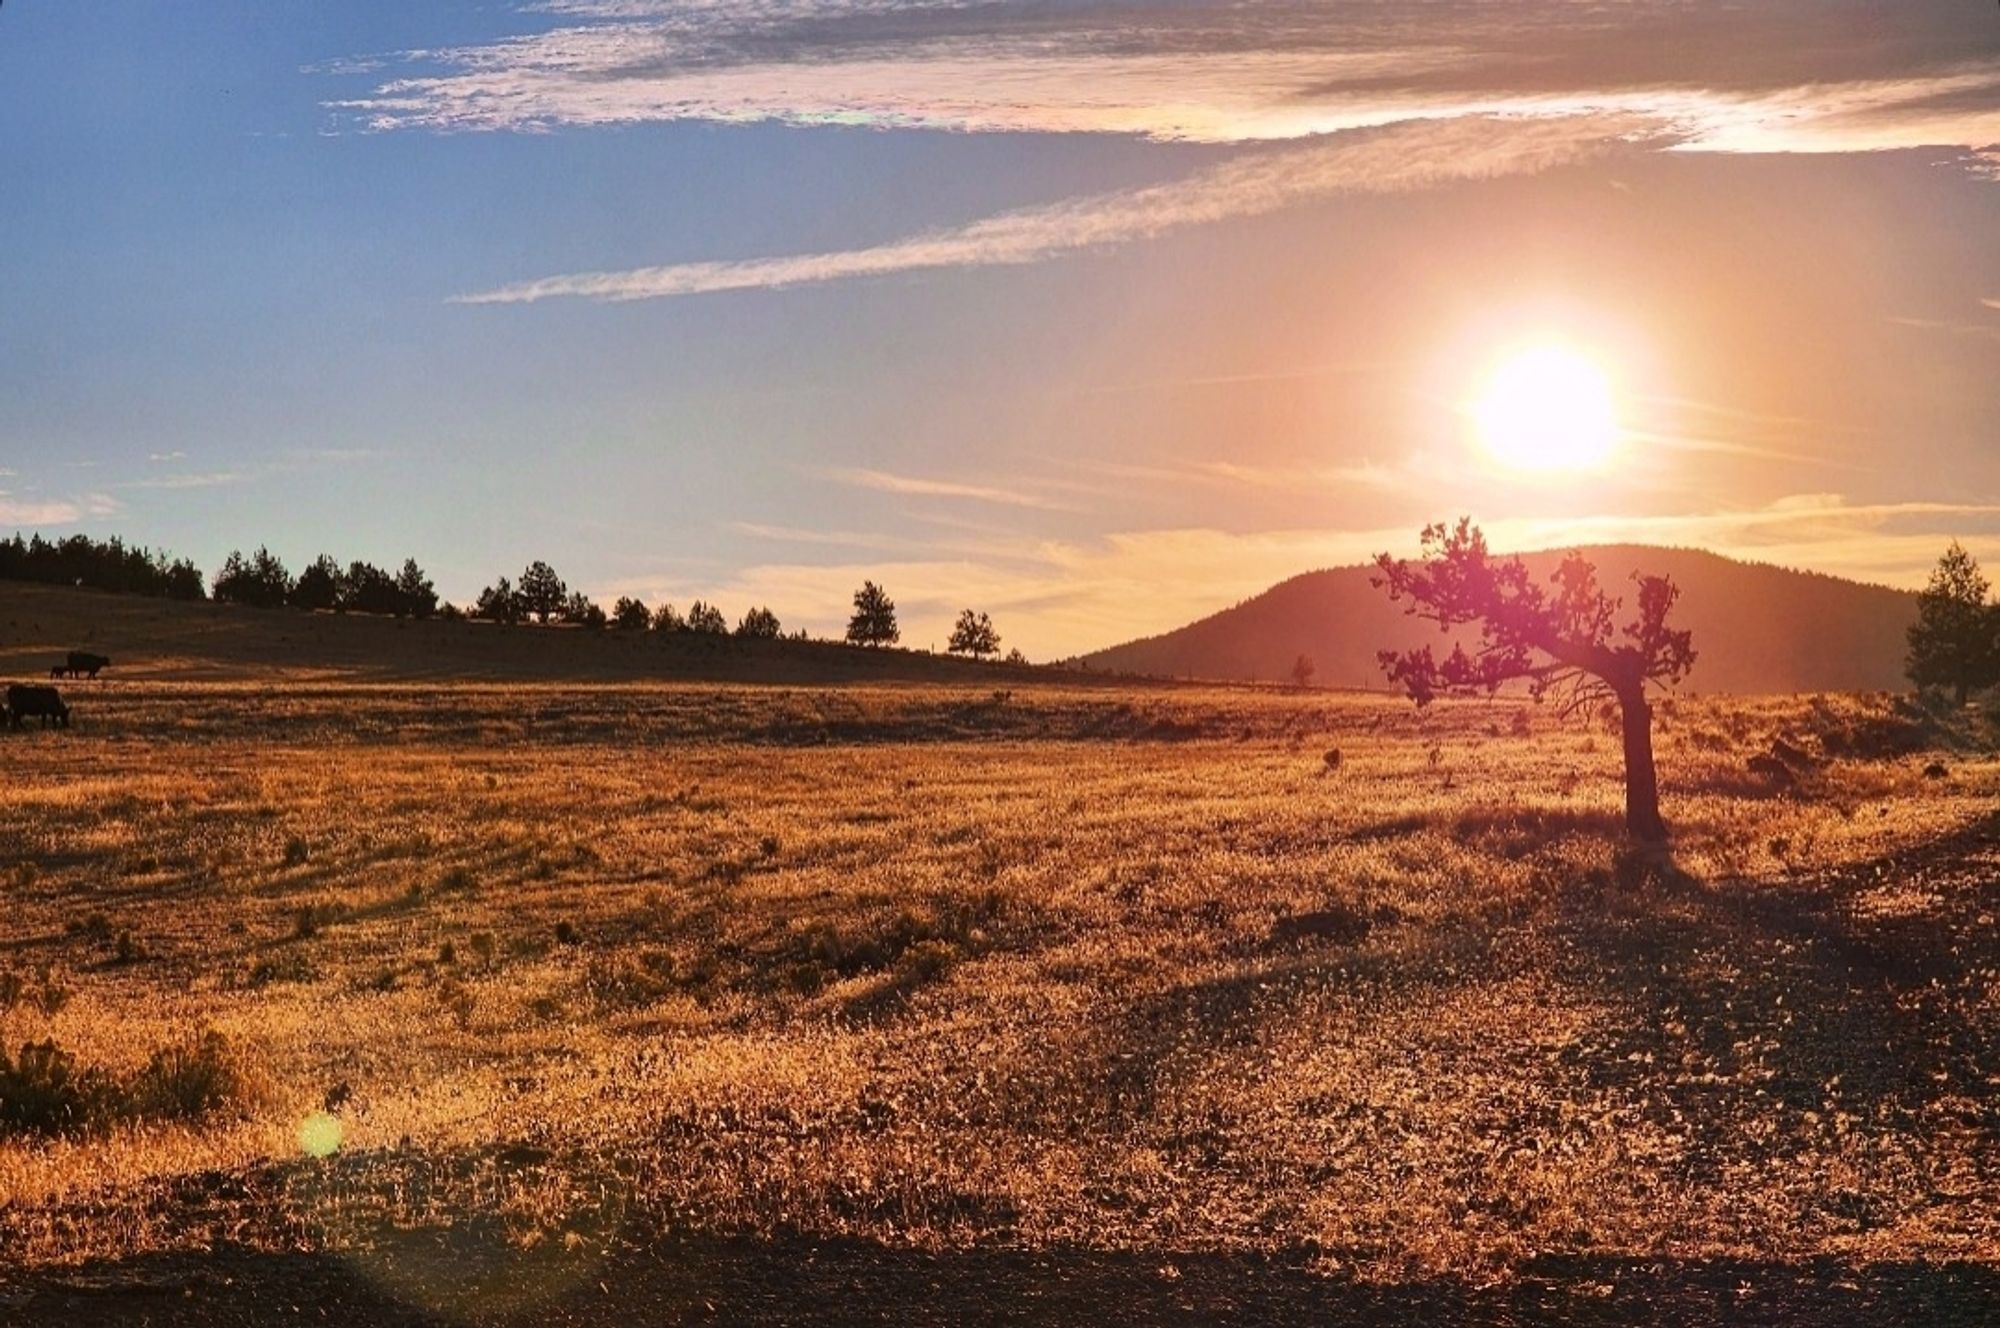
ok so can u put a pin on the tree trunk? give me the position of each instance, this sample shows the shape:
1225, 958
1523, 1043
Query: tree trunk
1642, 782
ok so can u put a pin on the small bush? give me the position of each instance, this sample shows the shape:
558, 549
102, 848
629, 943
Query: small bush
296, 851
44, 1092
92, 927
192, 1081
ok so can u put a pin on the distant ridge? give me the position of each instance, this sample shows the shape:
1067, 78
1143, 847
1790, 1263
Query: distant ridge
1758, 628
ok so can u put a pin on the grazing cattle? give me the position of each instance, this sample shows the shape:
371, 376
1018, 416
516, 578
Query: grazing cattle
59, 671
83, 664
23, 701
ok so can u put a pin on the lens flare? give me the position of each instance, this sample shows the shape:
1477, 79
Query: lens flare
320, 1135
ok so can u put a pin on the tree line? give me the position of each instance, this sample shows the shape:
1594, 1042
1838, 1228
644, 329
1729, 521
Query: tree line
78, 560
540, 596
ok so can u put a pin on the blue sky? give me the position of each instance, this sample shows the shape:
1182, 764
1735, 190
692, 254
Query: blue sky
1094, 315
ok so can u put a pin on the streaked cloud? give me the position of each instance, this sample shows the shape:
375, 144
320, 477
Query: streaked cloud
918, 487
165, 458
205, 480
1383, 161
1782, 75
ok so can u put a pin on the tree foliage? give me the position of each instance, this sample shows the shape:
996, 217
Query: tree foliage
668, 619
319, 586
541, 592
419, 598
79, 560
707, 619
630, 614
260, 580
974, 635
1955, 641
498, 603
759, 624
583, 611
1561, 639
874, 620
1303, 670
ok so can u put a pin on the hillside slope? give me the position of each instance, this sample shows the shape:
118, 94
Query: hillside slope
165, 640
1757, 628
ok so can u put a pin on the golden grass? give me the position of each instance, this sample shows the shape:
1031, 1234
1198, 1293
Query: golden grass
945, 965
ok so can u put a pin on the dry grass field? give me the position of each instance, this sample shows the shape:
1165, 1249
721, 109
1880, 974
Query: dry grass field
462, 1000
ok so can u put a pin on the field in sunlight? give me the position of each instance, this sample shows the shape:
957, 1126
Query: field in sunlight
1174, 972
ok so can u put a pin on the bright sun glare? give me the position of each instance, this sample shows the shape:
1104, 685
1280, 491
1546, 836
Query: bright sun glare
1547, 408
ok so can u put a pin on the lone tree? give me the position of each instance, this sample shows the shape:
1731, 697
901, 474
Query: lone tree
1955, 641
1560, 639
974, 636
541, 591
874, 620
1303, 669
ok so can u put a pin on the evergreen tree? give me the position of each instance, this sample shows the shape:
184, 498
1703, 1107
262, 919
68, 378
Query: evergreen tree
417, 596
260, 580
1955, 641
706, 618
874, 620
498, 603
319, 586
541, 591
760, 624
630, 614
366, 588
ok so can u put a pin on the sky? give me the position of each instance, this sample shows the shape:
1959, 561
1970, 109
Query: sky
1096, 315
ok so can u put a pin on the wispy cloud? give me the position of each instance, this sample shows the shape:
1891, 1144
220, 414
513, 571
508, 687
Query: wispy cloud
24, 511
165, 458
918, 487
207, 480
1383, 161
1782, 75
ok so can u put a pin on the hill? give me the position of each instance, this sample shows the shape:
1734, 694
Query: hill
1758, 628
204, 641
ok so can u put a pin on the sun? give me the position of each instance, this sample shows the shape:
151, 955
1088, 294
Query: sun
1547, 408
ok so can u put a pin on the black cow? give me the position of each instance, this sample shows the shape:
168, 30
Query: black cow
23, 701
83, 664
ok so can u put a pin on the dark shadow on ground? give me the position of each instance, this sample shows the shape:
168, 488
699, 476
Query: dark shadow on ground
1864, 991
423, 1281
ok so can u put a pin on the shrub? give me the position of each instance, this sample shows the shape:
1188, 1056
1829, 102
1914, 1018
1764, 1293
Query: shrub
191, 1081
44, 1092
